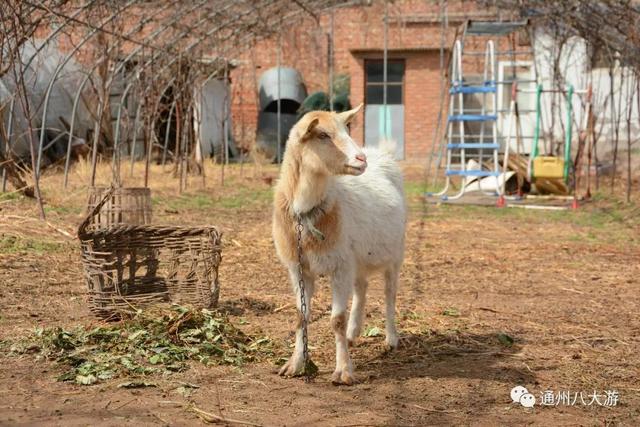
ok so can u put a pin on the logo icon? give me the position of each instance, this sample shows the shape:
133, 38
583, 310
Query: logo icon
517, 392
521, 395
527, 400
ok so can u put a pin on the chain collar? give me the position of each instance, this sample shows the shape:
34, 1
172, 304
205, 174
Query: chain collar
309, 219
303, 305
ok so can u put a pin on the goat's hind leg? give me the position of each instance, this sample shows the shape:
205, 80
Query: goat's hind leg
295, 364
390, 291
341, 286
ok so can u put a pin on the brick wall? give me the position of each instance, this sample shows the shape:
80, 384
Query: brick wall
422, 102
414, 34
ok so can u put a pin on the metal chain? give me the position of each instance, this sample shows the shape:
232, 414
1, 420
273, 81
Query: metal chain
303, 306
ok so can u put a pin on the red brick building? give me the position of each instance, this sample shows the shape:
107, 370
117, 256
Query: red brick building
418, 43
415, 36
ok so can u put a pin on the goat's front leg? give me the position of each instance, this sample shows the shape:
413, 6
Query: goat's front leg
295, 364
356, 318
342, 286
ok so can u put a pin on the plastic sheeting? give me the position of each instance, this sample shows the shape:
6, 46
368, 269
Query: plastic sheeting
44, 60
212, 111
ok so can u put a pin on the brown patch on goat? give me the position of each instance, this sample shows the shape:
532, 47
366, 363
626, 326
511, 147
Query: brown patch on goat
287, 239
285, 235
329, 225
339, 323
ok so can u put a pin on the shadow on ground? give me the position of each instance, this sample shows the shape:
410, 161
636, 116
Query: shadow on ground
245, 305
444, 355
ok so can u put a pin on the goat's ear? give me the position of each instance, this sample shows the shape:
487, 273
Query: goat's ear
310, 127
347, 116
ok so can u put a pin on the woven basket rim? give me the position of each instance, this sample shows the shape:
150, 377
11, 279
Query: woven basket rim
159, 230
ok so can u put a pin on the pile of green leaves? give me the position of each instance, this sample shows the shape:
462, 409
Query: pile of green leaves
161, 341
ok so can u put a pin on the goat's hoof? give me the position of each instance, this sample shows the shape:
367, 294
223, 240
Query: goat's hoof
293, 368
342, 378
352, 335
391, 343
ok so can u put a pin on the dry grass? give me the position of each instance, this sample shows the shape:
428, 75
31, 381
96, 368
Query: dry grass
489, 299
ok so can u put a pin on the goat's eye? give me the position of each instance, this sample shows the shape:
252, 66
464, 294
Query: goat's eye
323, 135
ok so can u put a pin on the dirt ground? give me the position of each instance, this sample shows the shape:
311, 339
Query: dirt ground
563, 285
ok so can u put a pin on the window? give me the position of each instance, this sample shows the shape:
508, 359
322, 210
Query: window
374, 81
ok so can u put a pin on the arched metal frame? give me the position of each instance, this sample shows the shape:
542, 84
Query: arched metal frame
117, 70
7, 147
88, 77
26, 65
167, 66
57, 72
225, 27
139, 70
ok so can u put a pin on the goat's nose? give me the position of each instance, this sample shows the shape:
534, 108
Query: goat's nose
361, 157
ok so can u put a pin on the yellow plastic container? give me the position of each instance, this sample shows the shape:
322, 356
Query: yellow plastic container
548, 167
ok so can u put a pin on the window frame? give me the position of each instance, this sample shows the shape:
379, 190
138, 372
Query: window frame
400, 83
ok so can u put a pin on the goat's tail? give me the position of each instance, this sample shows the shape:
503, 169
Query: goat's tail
388, 146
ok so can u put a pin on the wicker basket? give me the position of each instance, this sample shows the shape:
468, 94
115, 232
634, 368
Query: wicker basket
128, 266
124, 206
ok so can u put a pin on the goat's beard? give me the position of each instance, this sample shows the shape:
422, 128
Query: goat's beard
353, 170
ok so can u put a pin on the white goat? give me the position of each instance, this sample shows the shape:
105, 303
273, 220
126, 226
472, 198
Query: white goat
351, 202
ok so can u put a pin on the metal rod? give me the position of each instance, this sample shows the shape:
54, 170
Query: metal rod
505, 52
117, 70
227, 114
330, 59
385, 60
7, 146
437, 151
187, 49
151, 61
154, 57
279, 106
540, 207
507, 148
132, 154
59, 68
97, 130
456, 75
96, 138
166, 134
58, 29
90, 25
150, 138
562, 91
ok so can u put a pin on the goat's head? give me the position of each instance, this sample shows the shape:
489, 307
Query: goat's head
325, 143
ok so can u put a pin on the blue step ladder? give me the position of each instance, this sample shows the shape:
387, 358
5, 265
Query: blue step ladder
481, 147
